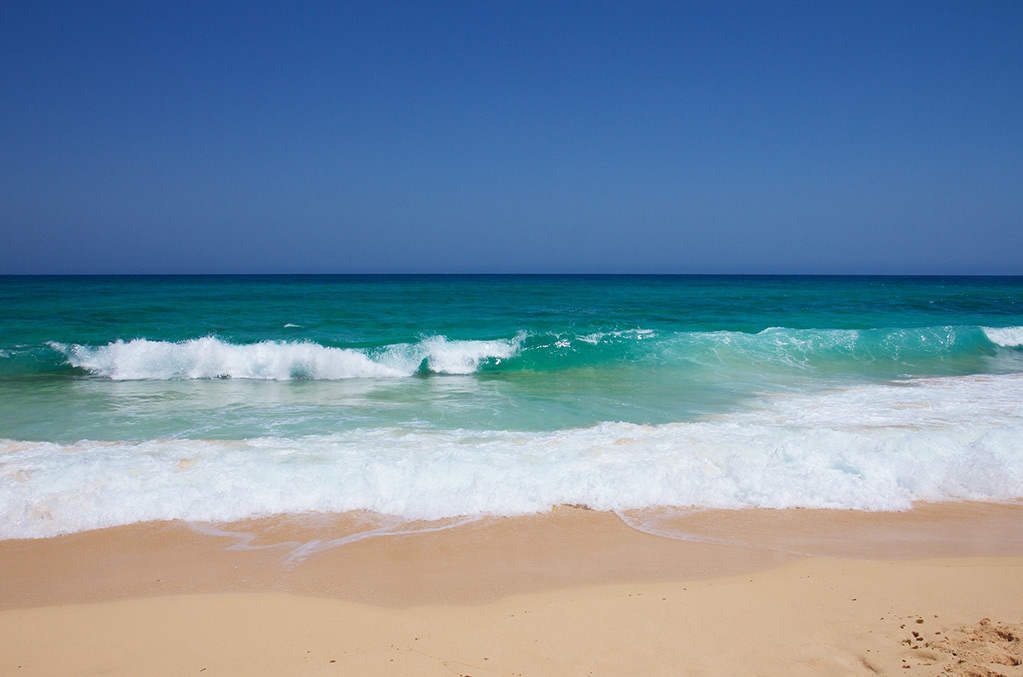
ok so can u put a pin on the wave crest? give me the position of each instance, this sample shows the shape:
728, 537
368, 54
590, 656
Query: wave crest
891, 352
1007, 337
210, 358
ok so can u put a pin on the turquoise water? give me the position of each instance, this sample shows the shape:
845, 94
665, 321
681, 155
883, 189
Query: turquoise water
395, 387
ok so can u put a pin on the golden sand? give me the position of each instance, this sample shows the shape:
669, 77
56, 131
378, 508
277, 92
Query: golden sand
573, 592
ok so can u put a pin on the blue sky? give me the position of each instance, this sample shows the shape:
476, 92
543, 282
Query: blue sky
783, 137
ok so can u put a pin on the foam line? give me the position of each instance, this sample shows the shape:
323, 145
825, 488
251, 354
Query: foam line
871, 447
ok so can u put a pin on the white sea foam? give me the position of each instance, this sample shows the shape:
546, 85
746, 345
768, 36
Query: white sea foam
1009, 337
869, 447
444, 356
373, 526
634, 334
210, 357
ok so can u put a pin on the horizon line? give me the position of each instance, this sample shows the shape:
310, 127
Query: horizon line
500, 274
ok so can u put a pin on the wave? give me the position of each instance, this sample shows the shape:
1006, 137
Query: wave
210, 357
1009, 337
888, 353
885, 352
870, 447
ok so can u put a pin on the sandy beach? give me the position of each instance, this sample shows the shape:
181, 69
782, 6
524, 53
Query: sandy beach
936, 590
547, 339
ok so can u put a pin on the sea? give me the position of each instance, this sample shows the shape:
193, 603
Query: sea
220, 398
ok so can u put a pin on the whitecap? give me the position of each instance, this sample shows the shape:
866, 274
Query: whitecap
210, 357
1008, 337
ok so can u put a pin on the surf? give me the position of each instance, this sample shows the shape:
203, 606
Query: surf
213, 358
868, 447
882, 352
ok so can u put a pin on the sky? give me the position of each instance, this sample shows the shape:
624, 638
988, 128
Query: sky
575, 137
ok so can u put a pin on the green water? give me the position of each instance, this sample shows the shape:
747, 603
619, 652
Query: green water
581, 349
219, 398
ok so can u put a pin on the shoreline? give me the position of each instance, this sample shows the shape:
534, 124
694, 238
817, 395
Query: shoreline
375, 559
572, 591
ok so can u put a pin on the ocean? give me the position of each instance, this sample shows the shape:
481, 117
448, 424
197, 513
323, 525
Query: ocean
219, 398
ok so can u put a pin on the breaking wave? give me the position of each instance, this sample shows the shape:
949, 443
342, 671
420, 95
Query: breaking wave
887, 353
1009, 337
210, 357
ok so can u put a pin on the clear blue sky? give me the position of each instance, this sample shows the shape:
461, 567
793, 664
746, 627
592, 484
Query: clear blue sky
767, 137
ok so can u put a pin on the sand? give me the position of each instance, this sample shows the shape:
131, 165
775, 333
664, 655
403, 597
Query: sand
936, 590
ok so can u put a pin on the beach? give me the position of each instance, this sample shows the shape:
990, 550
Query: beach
535, 475
573, 591
511, 338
